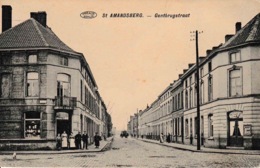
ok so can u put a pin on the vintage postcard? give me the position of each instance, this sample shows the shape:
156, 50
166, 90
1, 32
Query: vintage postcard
130, 83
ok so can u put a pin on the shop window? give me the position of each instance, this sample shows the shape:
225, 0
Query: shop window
32, 59
32, 87
32, 125
211, 129
235, 82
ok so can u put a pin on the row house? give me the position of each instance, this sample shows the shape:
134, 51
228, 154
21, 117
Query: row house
46, 87
229, 95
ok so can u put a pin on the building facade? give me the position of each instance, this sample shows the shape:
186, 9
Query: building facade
46, 87
229, 96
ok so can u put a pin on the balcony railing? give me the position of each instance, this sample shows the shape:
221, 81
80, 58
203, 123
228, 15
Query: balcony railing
68, 103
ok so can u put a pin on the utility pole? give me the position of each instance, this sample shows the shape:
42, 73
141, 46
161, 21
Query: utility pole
197, 87
198, 92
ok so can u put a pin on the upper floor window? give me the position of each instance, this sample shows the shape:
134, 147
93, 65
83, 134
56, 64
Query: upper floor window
32, 87
64, 61
210, 88
210, 66
190, 80
32, 59
5, 85
235, 57
235, 82
201, 72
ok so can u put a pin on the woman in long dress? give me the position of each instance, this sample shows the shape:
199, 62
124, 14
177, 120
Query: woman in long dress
64, 138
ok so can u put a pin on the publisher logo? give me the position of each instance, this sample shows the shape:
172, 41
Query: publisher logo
88, 15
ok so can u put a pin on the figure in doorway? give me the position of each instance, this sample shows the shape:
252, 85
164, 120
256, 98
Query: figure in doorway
168, 139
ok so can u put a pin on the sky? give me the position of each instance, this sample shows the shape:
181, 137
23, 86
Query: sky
134, 59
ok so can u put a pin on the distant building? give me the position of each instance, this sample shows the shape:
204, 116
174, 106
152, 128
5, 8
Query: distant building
229, 85
46, 87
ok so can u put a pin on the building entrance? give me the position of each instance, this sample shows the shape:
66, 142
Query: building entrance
63, 123
235, 129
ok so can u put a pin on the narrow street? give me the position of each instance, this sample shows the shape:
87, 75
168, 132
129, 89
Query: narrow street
129, 152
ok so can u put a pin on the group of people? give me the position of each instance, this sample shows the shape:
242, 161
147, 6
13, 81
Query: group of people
80, 141
168, 138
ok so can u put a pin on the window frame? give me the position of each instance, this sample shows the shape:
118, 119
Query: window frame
30, 55
234, 52
32, 119
235, 68
26, 84
210, 126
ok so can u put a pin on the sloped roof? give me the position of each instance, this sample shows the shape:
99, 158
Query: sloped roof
31, 34
249, 33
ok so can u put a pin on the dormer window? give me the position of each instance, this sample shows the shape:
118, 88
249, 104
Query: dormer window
32, 59
235, 57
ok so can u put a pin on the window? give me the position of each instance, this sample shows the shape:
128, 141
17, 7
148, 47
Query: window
196, 126
195, 95
190, 80
186, 99
32, 125
191, 127
235, 83
186, 84
81, 90
210, 119
32, 59
32, 89
178, 126
191, 98
210, 66
201, 72
186, 127
235, 57
64, 61
5, 85
210, 88
202, 92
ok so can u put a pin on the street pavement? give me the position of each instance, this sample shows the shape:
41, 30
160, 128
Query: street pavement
131, 152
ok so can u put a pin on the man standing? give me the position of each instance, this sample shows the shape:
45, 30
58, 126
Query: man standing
85, 140
78, 140
97, 138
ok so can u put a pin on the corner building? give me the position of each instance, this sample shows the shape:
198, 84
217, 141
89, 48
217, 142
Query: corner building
46, 88
229, 95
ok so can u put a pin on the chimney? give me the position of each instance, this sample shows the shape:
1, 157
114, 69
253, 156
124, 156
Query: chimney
238, 26
6, 17
208, 52
228, 36
41, 17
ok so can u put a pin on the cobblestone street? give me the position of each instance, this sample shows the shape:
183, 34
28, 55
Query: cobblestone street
133, 153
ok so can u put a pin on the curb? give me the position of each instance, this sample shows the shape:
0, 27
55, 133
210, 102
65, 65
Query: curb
76, 151
201, 151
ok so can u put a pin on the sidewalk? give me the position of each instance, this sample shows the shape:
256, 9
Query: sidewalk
193, 148
91, 149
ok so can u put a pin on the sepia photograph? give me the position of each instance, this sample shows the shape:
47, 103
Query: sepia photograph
130, 83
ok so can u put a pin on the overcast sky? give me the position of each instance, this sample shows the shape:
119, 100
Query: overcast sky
134, 59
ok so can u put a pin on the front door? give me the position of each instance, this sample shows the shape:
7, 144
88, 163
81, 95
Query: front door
63, 123
235, 131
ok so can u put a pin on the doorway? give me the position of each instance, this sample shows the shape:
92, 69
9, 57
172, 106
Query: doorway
63, 123
235, 129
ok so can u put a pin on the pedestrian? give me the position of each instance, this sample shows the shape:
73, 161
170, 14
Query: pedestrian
161, 138
85, 140
78, 140
168, 139
72, 143
58, 142
64, 140
97, 140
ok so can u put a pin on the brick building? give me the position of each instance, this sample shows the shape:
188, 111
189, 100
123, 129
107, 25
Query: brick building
46, 87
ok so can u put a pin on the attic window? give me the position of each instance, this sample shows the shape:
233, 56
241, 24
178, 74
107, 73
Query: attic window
64, 61
235, 57
32, 59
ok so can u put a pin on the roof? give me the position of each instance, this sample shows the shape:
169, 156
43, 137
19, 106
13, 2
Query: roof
31, 34
249, 33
